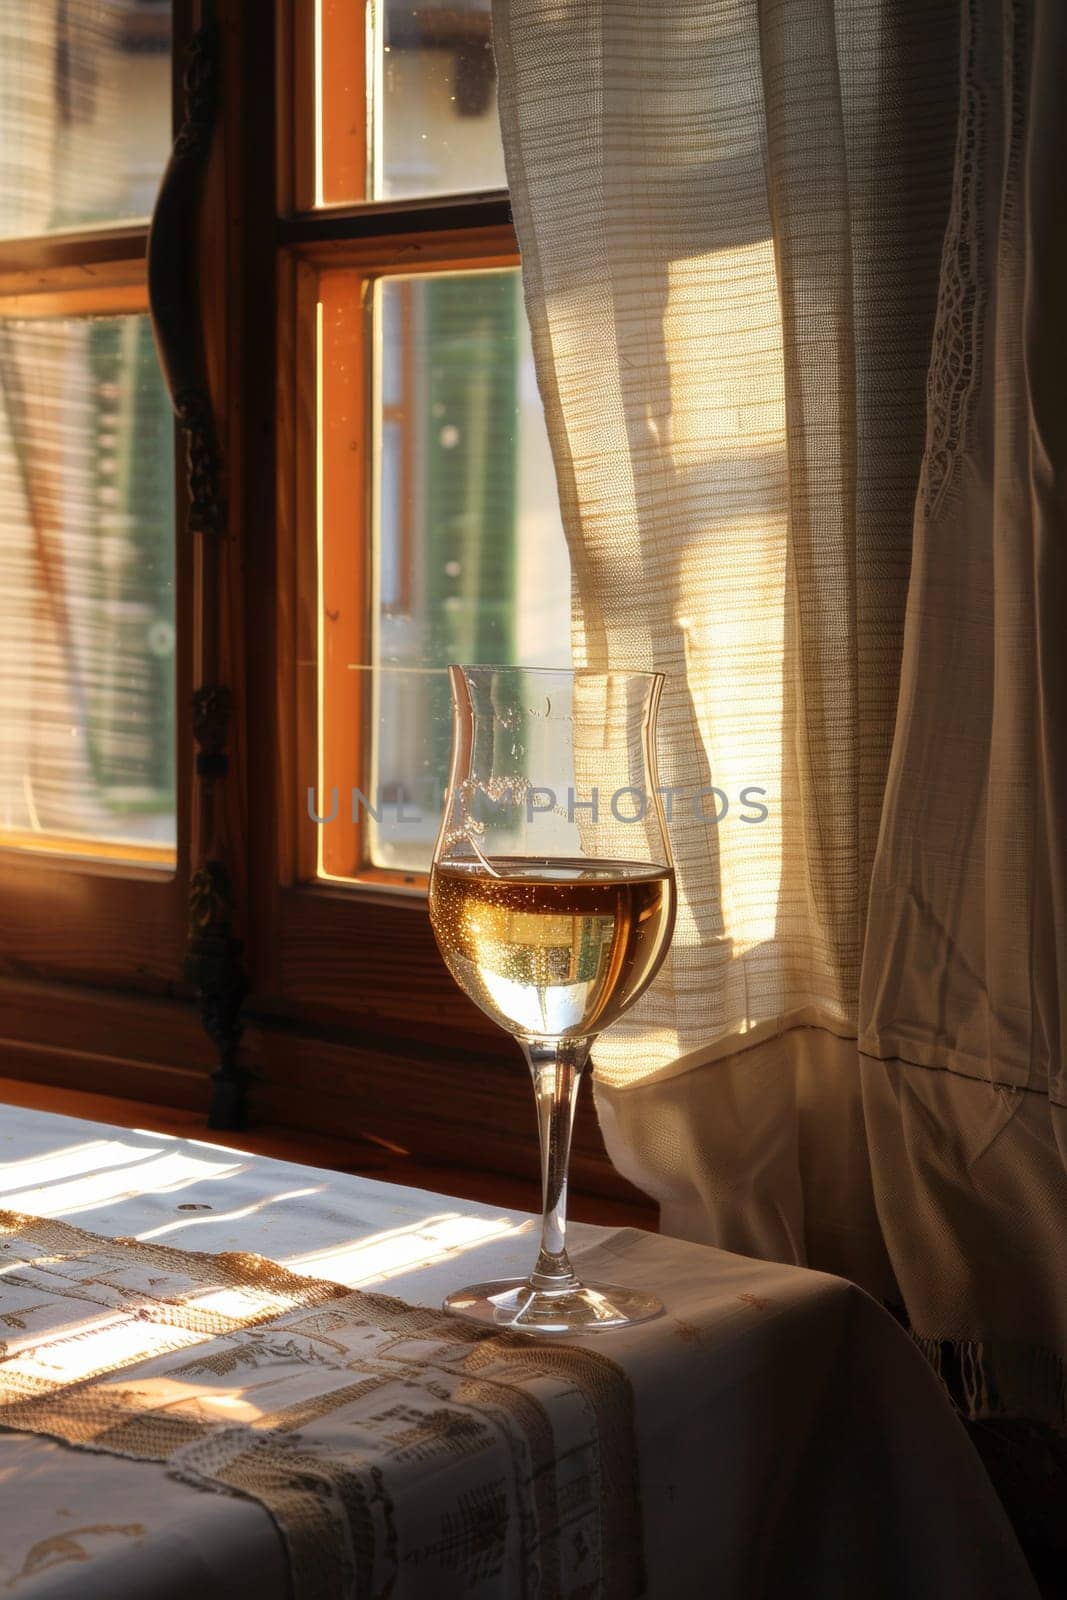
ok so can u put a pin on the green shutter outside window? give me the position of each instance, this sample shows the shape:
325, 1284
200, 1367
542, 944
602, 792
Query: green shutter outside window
472, 465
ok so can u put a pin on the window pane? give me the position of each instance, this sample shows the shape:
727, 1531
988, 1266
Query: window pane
470, 521
85, 122
86, 589
436, 129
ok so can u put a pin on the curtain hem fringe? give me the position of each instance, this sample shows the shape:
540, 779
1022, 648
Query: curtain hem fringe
990, 1380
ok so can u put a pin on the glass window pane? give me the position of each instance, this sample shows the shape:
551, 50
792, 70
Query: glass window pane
85, 111
470, 519
87, 626
436, 129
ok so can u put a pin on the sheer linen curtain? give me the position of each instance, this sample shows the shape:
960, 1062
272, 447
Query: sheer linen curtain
790, 268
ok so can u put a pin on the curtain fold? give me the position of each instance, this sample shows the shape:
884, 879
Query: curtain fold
790, 274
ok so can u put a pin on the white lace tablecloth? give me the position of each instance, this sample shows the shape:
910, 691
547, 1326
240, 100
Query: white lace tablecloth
789, 1439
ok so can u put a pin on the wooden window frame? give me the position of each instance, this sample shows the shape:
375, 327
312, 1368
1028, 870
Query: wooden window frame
357, 953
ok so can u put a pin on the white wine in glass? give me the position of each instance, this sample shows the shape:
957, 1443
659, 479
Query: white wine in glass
552, 900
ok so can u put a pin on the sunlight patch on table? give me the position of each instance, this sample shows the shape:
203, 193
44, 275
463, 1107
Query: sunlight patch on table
102, 1346
95, 1189
70, 1162
385, 1255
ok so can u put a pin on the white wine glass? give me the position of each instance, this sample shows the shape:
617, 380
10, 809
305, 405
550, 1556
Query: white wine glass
552, 899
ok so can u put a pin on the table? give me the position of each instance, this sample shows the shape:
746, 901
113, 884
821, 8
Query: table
790, 1439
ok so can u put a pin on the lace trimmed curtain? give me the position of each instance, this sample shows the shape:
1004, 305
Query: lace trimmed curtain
791, 273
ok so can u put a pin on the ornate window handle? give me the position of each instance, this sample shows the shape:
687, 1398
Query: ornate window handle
213, 964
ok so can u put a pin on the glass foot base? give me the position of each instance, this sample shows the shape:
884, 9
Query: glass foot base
586, 1308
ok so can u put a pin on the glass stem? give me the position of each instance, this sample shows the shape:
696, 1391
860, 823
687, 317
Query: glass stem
556, 1068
